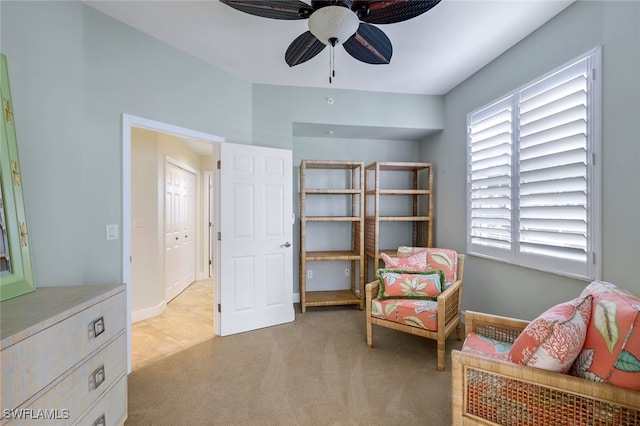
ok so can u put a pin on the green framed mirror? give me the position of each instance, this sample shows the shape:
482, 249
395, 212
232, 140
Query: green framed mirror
16, 271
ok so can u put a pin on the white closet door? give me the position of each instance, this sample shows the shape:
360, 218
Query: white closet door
180, 220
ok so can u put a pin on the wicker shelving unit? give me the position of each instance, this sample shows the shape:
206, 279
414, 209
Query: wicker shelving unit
419, 214
353, 191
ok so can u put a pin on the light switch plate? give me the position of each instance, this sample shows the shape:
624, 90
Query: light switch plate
112, 232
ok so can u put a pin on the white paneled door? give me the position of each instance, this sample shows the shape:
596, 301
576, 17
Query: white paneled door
256, 260
180, 221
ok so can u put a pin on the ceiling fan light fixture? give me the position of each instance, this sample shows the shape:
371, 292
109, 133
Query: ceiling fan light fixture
333, 22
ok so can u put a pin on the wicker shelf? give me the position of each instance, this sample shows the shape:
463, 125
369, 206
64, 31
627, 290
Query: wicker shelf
419, 214
353, 189
332, 298
332, 219
333, 255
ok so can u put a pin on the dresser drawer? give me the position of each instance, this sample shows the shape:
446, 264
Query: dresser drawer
111, 409
82, 387
31, 364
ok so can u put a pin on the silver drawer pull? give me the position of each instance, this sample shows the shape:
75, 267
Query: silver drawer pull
100, 421
96, 378
96, 327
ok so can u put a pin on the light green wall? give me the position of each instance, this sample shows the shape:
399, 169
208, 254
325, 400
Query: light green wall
74, 71
276, 108
499, 288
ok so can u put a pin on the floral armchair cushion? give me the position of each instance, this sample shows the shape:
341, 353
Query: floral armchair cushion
400, 284
554, 339
416, 313
436, 258
611, 351
478, 344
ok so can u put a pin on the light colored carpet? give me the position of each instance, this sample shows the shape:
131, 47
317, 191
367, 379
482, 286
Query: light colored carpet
316, 370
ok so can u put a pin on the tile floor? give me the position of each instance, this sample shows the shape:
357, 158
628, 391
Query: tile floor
187, 320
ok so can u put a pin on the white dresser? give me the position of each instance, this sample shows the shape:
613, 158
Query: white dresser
63, 357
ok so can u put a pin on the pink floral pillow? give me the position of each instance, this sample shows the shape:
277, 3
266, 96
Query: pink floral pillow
554, 339
415, 262
399, 284
437, 258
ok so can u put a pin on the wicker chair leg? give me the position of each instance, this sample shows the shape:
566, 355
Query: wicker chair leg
459, 331
369, 333
441, 354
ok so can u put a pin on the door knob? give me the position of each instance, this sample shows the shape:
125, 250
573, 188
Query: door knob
287, 244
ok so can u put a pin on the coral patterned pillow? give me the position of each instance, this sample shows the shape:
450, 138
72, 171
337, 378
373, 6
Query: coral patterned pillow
399, 284
554, 339
611, 352
416, 262
437, 258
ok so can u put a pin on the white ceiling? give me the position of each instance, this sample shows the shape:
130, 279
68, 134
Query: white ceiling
432, 53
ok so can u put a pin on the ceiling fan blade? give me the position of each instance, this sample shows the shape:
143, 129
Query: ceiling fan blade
303, 48
369, 44
275, 9
391, 11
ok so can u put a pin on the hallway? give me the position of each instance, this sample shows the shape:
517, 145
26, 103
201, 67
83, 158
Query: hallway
187, 320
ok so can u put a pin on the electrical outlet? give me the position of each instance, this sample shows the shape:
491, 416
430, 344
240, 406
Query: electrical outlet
347, 272
309, 273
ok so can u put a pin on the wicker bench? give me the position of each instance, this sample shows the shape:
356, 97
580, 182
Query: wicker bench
487, 391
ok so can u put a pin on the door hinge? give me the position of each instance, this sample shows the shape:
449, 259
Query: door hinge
15, 172
8, 114
210, 262
219, 307
219, 236
219, 164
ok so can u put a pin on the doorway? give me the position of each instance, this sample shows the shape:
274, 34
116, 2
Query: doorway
151, 224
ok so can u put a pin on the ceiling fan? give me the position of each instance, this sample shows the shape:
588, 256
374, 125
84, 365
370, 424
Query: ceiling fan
335, 22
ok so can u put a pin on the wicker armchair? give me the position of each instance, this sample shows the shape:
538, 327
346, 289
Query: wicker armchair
493, 392
448, 314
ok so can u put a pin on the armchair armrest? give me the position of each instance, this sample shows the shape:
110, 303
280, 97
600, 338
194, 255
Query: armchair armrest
371, 290
489, 391
494, 326
449, 303
370, 293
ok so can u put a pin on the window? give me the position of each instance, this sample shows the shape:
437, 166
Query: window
533, 173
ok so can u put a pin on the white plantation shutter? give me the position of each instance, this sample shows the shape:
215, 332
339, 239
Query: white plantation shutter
490, 177
533, 190
553, 165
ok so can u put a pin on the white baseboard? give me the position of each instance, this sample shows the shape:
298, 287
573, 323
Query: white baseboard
146, 313
203, 276
296, 297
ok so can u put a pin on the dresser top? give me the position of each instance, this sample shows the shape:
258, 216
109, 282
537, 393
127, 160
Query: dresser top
28, 314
